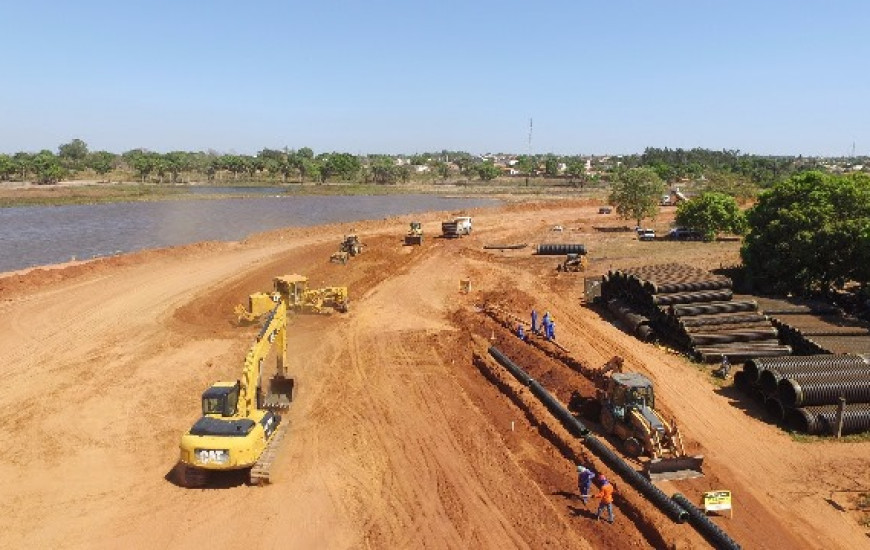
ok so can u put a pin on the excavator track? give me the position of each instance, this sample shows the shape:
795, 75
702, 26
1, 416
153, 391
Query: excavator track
261, 471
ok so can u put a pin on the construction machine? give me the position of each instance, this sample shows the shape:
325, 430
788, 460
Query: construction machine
294, 291
348, 248
573, 262
415, 234
241, 426
628, 411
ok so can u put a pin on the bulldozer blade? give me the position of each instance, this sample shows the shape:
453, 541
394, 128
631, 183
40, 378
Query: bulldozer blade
280, 393
684, 467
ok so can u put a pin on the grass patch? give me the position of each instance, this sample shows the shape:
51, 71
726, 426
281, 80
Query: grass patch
851, 438
87, 194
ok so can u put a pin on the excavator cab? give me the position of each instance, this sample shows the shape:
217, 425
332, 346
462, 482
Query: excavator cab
221, 399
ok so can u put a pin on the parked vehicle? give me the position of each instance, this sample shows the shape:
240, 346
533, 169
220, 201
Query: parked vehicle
684, 234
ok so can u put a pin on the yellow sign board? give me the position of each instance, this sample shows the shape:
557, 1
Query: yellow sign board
717, 501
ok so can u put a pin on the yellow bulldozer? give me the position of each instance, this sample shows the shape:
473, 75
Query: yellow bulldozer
293, 289
241, 427
415, 234
628, 412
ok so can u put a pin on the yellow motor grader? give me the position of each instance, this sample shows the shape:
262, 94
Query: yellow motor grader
349, 247
628, 411
299, 298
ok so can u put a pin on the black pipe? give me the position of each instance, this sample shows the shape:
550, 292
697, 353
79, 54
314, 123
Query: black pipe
630, 475
713, 308
775, 409
823, 419
567, 419
770, 378
827, 391
806, 363
692, 297
699, 520
519, 373
668, 288
560, 248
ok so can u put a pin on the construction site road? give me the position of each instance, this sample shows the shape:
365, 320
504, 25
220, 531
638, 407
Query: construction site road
402, 433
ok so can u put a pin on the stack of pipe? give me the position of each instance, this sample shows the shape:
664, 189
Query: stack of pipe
692, 309
817, 330
805, 391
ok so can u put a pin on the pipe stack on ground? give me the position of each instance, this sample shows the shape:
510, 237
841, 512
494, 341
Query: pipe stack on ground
818, 330
560, 249
692, 309
804, 391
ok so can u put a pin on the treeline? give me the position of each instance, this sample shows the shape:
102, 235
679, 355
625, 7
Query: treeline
678, 164
74, 160
730, 171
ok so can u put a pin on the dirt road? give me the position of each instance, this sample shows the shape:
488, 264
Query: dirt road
398, 436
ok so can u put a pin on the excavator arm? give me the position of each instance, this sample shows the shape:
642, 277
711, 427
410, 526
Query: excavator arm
273, 333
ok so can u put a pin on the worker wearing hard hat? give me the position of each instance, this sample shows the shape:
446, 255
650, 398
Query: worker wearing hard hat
605, 493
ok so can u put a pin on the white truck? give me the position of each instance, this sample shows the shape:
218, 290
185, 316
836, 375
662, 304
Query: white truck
461, 225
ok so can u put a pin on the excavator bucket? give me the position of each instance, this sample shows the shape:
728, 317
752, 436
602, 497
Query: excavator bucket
280, 394
683, 467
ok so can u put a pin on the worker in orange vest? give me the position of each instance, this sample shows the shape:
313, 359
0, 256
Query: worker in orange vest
605, 493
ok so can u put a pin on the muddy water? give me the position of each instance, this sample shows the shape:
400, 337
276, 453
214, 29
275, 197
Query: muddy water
33, 236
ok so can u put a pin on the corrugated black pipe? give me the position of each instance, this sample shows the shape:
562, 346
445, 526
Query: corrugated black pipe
699, 520
770, 378
692, 297
560, 248
714, 308
519, 373
823, 419
642, 484
774, 408
805, 393
629, 474
666, 288
567, 419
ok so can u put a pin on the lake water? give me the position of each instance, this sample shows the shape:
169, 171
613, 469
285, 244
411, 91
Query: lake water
44, 235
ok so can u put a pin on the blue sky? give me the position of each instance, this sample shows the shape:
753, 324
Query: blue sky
404, 77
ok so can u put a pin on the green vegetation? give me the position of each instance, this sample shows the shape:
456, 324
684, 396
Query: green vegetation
810, 233
92, 194
851, 438
712, 213
635, 194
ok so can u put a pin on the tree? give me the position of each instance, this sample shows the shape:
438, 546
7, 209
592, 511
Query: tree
7, 167
341, 165
73, 154
487, 171
101, 162
711, 213
551, 166
636, 193
47, 167
810, 233
526, 165
736, 185
576, 169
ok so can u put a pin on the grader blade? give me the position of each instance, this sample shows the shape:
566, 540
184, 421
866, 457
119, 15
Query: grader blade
683, 467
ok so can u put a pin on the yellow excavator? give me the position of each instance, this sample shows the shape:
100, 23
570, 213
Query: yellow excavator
299, 298
241, 426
